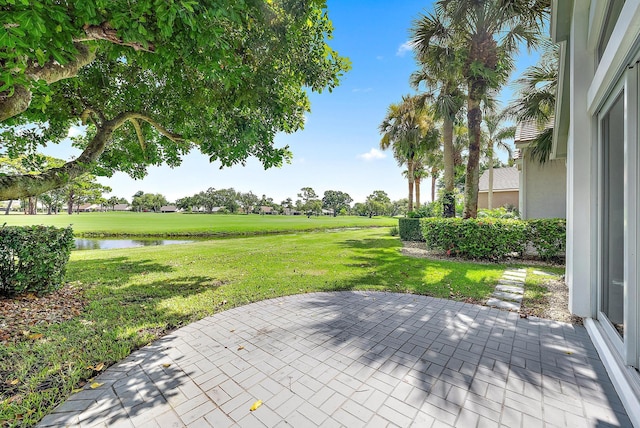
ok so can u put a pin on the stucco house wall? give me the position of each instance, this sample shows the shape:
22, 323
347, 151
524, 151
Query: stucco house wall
543, 189
500, 199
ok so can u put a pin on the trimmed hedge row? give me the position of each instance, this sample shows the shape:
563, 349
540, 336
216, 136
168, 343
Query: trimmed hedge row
410, 229
33, 258
487, 238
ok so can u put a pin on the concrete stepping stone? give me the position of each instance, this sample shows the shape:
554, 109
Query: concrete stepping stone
501, 304
510, 282
510, 288
509, 291
507, 296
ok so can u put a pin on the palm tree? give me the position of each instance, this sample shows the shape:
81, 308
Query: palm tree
496, 136
492, 31
441, 73
409, 128
536, 98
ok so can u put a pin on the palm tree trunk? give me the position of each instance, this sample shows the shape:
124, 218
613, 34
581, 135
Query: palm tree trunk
410, 178
434, 176
448, 204
474, 119
417, 190
490, 193
6, 212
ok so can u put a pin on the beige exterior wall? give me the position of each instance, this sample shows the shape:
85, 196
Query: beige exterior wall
500, 199
544, 189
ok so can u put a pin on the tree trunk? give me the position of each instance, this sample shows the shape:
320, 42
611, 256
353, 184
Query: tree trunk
70, 204
448, 203
490, 192
434, 177
416, 188
474, 119
410, 178
6, 212
32, 205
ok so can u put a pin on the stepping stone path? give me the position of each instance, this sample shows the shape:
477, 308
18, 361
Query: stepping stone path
509, 291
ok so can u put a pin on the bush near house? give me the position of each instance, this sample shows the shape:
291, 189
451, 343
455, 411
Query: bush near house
487, 238
33, 258
548, 236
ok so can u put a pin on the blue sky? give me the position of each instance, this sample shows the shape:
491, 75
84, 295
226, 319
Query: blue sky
339, 147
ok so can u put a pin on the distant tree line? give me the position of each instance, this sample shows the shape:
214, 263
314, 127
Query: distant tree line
86, 190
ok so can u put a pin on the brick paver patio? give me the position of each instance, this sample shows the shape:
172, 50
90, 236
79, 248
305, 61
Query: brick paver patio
356, 359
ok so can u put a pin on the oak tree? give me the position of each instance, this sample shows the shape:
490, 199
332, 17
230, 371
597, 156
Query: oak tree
153, 79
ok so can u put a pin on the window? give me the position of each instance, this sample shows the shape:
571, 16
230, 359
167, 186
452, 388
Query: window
613, 12
612, 197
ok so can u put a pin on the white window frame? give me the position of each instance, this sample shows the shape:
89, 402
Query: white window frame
629, 348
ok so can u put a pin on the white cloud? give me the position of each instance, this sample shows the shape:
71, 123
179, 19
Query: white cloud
371, 155
404, 48
75, 131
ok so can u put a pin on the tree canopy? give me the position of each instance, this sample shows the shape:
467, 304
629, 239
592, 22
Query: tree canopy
152, 80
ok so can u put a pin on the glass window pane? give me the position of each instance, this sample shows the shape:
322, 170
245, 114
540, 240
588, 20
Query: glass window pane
612, 302
613, 12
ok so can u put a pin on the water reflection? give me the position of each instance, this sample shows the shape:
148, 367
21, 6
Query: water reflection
110, 244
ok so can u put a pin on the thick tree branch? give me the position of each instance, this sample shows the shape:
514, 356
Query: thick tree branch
176, 138
23, 185
136, 126
104, 31
15, 104
51, 72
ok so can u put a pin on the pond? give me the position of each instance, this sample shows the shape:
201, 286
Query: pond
111, 244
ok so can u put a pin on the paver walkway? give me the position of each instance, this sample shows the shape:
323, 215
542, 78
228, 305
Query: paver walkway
356, 359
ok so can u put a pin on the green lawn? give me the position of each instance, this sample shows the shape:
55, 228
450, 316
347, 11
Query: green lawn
136, 295
176, 224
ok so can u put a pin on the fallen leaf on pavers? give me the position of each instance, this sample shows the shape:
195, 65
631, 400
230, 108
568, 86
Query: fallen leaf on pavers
568, 352
255, 405
36, 336
95, 385
99, 367
75, 391
240, 348
166, 365
14, 382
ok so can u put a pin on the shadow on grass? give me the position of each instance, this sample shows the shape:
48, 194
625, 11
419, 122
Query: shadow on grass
111, 271
383, 267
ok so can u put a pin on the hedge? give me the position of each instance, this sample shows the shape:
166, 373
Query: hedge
33, 258
548, 237
488, 238
410, 229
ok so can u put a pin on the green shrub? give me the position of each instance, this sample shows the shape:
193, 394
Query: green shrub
431, 209
33, 258
548, 236
410, 229
486, 238
501, 212
394, 231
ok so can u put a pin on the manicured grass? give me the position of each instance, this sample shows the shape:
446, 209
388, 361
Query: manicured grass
137, 295
177, 224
